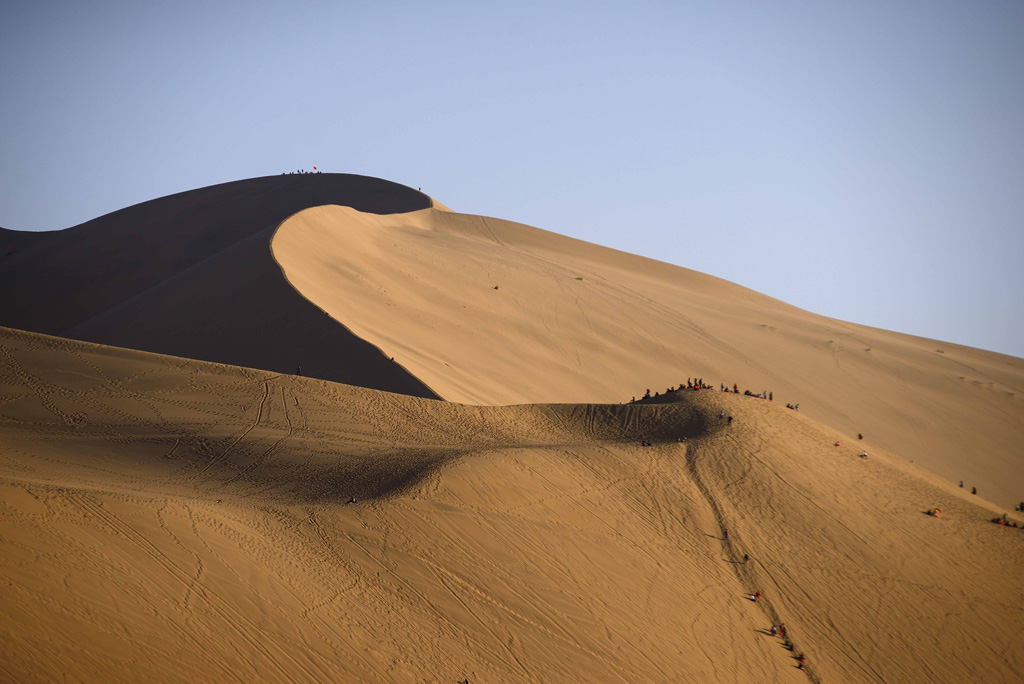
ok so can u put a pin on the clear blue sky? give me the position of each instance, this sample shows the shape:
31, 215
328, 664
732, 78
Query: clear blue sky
863, 160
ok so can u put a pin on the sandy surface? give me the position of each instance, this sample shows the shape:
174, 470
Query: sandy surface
192, 275
170, 519
173, 520
380, 291
492, 312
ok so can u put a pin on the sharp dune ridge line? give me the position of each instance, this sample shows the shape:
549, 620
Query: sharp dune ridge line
192, 275
170, 517
492, 312
173, 520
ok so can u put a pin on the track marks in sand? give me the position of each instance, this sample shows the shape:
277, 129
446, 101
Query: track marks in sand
617, 527
451, 579
494, 543
259, 416
486, 627
260, 461
43, 390
745, 576
245, 629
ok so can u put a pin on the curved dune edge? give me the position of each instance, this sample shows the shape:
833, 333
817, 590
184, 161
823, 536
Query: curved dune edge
173, 520
440, 207
486, 311
191, 275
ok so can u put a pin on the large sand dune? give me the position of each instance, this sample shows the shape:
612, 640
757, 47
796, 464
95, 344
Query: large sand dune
489, 311
479, 310
192, 275
172, 520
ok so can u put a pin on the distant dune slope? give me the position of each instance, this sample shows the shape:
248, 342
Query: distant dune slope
163, 519
192, 275
488, 311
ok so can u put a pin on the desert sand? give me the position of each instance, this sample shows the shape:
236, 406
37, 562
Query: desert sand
191, 275
492, 516
493, 312
385, 288
174, 520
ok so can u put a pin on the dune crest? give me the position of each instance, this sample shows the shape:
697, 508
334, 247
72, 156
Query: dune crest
492, 312
191, 275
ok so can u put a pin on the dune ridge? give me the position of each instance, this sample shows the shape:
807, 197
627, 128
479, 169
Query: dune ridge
155, 506
191, 275
492, 312
366, 282
172, 517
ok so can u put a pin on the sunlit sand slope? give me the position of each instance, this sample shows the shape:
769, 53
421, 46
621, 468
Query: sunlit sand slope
491, 312
171, 520
191, 275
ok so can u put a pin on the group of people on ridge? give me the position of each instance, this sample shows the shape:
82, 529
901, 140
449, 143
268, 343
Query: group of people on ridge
699, 384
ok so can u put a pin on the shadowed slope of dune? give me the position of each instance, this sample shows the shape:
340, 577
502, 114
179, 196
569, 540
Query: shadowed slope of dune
8, 237
171, 520
489, 311
191, 275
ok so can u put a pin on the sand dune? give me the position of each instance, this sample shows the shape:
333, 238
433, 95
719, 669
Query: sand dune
488, 311
479, 310
173, 520
191, 275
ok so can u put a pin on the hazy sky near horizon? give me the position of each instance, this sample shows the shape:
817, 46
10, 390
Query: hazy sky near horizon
863, 160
